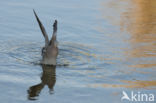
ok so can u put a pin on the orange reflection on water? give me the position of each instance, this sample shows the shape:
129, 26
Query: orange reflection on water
140, 22
129, 84
137, 19
143, 65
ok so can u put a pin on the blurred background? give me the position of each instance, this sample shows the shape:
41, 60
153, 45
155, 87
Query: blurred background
107, 46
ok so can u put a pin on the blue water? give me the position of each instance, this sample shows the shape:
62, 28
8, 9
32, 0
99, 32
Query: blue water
105, 47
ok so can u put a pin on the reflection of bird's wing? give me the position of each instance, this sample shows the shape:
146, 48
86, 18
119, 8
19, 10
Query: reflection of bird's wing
125, 96
42, 29
34, 91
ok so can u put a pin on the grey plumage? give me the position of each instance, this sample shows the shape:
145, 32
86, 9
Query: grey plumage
50, 51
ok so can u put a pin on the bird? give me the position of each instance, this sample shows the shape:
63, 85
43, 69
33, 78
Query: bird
50, 50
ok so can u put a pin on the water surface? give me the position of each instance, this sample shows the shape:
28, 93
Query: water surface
107, 46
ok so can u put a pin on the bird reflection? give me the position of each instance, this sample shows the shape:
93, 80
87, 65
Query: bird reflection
48, 78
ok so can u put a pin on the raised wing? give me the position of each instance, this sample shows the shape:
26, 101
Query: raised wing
42, 29
53, 40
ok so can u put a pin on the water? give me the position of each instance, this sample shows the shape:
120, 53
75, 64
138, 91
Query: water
106, 47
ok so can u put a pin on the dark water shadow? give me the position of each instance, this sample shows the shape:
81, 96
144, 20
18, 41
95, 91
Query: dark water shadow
48, 78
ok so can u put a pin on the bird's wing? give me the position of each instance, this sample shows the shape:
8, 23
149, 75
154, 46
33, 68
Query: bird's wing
53, 40
42, 29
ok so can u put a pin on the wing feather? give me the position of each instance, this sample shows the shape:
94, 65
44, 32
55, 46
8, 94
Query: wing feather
42, 29
53, 40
